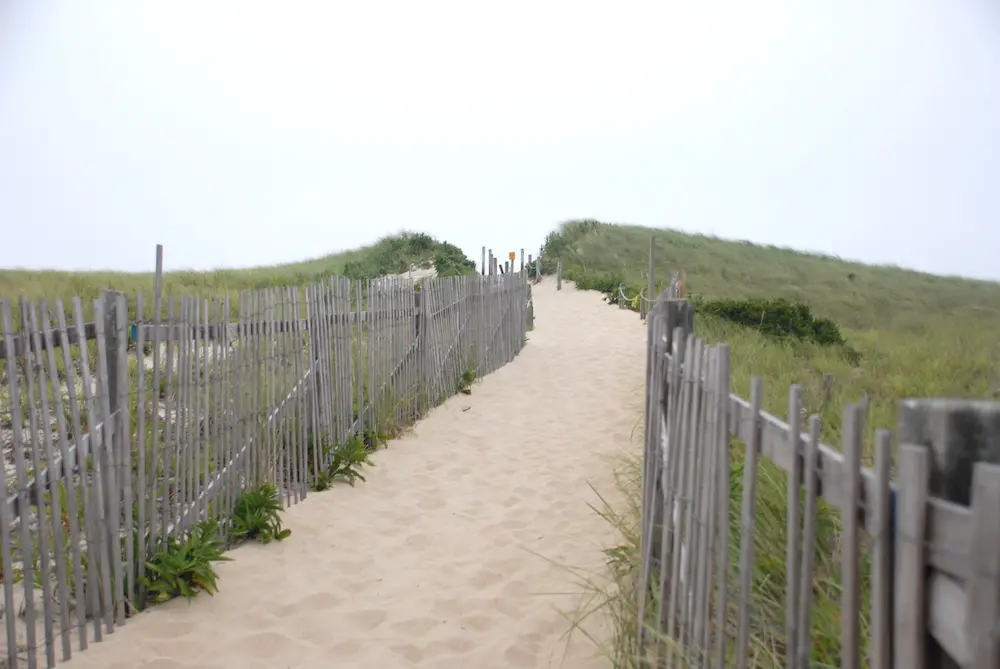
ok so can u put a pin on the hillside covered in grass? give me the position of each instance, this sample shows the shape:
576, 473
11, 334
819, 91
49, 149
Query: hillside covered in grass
390, 255
898, 334
917, 335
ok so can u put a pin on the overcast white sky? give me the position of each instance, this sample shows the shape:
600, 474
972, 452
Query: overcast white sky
241, 133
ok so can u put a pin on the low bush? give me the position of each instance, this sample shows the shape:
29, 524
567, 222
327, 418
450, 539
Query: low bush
257, 515
185, 565
465, 382
347, 460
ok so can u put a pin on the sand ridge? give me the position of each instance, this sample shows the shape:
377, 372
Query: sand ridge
450, 556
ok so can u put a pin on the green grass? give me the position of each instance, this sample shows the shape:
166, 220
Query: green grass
390, 255
916, 335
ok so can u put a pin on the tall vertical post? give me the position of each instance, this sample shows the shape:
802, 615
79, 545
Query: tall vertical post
652, 277
958, 434
109, 299
482, 262
490, 265
117, 423
559, 275
522, 260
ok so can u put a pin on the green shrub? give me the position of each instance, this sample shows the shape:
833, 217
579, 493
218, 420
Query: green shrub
348, 460
257, 515
465, 382
185, 565
395, 255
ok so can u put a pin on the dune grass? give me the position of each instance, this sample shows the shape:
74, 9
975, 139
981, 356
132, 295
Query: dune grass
390, 255
917, 335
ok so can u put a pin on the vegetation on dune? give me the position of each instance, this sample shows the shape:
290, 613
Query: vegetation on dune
390, 255
916, 335
883, 333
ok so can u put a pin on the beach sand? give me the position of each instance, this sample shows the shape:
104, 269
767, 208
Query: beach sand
454, 554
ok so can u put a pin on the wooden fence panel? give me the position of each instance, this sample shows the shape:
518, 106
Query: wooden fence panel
889, 534
129, 434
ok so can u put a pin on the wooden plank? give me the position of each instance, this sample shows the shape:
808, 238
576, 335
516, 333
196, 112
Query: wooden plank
793, 520
850, 574
141, 455
77, 452
7, 539
123, 440
651, 468
114, 603
947, 621
55, 486
98, 549
706, 528
881, 528
43, 520
21, 478
911, 514
679, 455
983, 587
948, 534
691, 494
722, 503
748, 521
169, 412
810, 462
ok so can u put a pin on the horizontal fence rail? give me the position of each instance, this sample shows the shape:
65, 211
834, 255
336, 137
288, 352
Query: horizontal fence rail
914, 564
119, 433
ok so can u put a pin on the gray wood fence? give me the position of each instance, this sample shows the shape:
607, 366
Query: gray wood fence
929, 563
114, 441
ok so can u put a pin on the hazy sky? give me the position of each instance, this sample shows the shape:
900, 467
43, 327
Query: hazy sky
243, 133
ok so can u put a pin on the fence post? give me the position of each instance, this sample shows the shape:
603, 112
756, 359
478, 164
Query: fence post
559, 275
650, 288
522, 260
957, 434
482, 262
118, 422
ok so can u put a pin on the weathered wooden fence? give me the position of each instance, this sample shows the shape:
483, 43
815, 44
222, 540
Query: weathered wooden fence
926, 548
120, 432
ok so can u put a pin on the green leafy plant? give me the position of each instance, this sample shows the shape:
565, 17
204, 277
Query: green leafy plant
465, 382
185, 564
257, 515
375, 439
348, 459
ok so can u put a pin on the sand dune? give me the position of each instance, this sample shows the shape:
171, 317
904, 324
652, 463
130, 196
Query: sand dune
449, 556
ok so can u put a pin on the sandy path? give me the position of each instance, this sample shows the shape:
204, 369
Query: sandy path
435, 562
